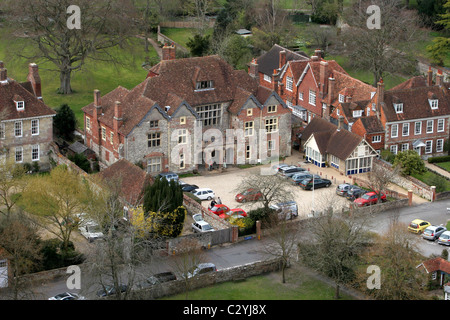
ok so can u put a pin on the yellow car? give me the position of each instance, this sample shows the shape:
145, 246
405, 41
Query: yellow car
418, 226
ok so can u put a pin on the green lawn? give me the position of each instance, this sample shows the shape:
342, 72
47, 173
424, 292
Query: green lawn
182, 35
432, 179
444, 165
298, 286
101, 75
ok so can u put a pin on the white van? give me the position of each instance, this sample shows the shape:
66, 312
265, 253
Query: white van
204, 193
288, 209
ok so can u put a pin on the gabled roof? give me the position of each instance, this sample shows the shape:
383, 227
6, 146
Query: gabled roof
415, 103
414, 82
271, 59
132, 179
436, 264
371, 124
12, 91
349, 86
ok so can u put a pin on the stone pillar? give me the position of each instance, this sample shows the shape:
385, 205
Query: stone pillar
234, 233
410, 196
258, 229
433, 193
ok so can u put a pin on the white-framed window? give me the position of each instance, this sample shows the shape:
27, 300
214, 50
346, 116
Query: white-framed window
271, 145
182, 120
210, 114
341, 98
202, 85
300, 96
440, 125
88, 124
35, 127
111, 137
248, 152
289, 84
394, 149
394, 131
249, 112
434, 103
20, 105
154, 165
35, 152
429, 126
182, 136
271, 109
357, 113
289, 104
154, 139
248, 128
405, 146
398, 107
376, 139
374, 106
418, 127
368, 111
337, 112
405, 129
267, 78
429, 146
153, 123
439, 145
312, 97
2, 131
434, 275
104, 133
271, 125
19, 154
18, 128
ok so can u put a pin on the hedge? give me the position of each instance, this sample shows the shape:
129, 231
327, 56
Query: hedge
439, 159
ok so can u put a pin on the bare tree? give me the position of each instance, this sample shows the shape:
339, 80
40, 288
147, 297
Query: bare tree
103, 25
384, 50
12, 183
381, 177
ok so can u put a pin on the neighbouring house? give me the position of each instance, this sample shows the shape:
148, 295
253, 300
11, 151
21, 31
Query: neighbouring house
438, 270
415, 115
26, 122
179, 118
4, 272
244, 33
372, 130
327, 144
132, 181
447, 291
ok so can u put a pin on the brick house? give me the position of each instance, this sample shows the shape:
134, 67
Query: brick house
438, 270
325, 144
177, 119
415, 115
26, 122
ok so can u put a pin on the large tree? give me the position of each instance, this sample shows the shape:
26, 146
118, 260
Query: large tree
52, 34
387, 50
441, 45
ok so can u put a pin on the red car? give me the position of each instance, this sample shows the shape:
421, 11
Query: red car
248, 195
369, 199
219, 209
233, 213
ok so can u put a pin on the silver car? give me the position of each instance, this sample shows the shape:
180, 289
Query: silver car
433, 232
444, 239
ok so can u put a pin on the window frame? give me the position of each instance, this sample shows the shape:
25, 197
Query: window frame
440, 148
441, 122
432, 126
430, 147
289, 84
392, 130
33, 152
405, 125
16, 129
153, 139
417, 127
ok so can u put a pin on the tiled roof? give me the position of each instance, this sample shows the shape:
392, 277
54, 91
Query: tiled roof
133, 180
372, 124
14, 91
271, 59
415, 103
436, 264
414, 82
352, 87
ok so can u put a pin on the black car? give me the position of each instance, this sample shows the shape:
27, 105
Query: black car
157, 278
308, 184
110, 290
355, 193
188, 187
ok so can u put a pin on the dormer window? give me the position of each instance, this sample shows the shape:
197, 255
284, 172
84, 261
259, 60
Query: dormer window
433, 103
341, 98
357, 113
205, 85
398, 107
20, 105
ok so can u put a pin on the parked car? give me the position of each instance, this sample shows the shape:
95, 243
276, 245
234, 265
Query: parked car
341, 190
369, 198
444, 239
202, 226
157, 279
276, 168
90, 230
188, 187
248, 195
282, 170
218, 209
236, 213
197, 217
418, 225
290, 172
67, 296
288, 209
433, 232
355, 192
202, 268
309, 184
204, 193
110, 290
296, 178
169, 176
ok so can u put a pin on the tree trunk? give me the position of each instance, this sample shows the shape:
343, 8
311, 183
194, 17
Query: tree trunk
65, 77
336, 293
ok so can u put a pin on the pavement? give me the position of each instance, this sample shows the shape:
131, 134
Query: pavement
439, 170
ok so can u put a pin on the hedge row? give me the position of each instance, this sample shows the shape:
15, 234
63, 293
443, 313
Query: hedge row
439, 159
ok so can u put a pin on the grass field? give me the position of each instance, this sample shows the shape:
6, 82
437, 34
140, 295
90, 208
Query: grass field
101, 75
182, 35
299, 286
444, 165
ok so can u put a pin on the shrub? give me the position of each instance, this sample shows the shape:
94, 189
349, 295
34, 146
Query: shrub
439, 159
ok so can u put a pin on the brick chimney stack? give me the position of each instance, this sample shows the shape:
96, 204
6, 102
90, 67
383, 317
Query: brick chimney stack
430, 77
35, 79
380, 97
253, 69
97, 103
169, 52
274, 81
331, 85
318, 54
323, 79
439, 78
282, 59
118, 116
3, 72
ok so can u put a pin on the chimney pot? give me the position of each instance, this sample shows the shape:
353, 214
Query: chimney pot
282, 59
3, 74
97, 98
35, 80
439, 78
169, 52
